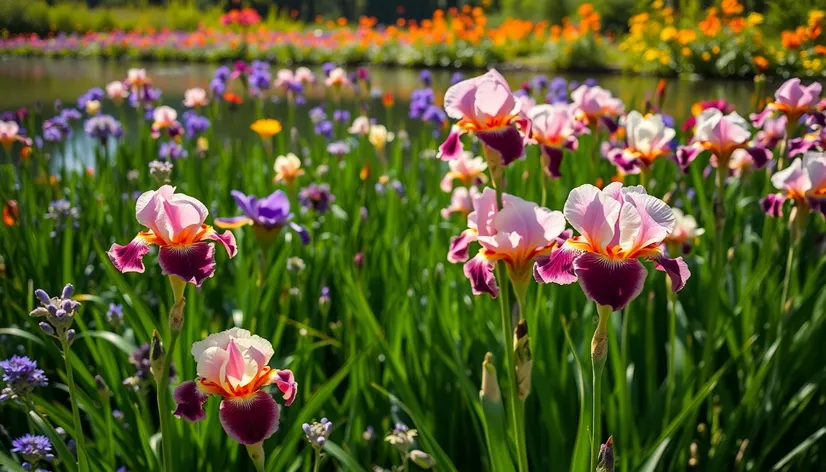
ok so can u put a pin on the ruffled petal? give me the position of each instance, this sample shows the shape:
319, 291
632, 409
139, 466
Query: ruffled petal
557, 268
234, 222
506, 141
480, 273
593, 213
190, 401
251, 419
459, 245
227, 240
760, 156
129, 258
285, 382
609, 282
193, 263
676, 269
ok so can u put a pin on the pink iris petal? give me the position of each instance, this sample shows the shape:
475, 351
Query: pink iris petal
816, 168
288, 386
452, 147
797, 97
129, 258
212, 365
459, 98
236, 365
480, 273
676, 269
593, 214
793, 178
644, 220
459, 245
149, 207
493, 99
553, 161
484, 210
251, 419
558, 268
772, 204
507, 142
233, 222
609, 282
227, 240
190, 401
193, 263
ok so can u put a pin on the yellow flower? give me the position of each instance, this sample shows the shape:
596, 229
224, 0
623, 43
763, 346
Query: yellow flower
715, 50
668, 33
266, 128
657, 5
706, 56
685, 52
651, 55
754, 19
665, 60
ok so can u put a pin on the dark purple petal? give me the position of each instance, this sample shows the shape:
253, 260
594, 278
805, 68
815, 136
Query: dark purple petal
452, 147
129, 258
193, 263
558, 268
760, 156
480, 273
553, 161
609, 123
302, 233
507, 142
676, 269
190, 400
772, 204
685, 155
564, 236
285, 382
817, 204
250, 419
609, 282
572, 143
247, 204
458, 251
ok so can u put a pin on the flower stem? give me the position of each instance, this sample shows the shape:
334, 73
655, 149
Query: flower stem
256, 452
672, 338
316, 462
787, 279
163, 403
599, 353
82, 458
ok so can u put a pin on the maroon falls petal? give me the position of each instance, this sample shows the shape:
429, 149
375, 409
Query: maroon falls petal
193, 263
129, 258
558, 268
676, 269
609, 282
507, 142
480, 273
250, 419
190, 401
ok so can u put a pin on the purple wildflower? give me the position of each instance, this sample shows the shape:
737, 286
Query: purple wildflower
341, 116
338, 148
172, 150
102, 127
143, 376
426, 77
33, 449
21, 376
268, 215
59, 312
316, 197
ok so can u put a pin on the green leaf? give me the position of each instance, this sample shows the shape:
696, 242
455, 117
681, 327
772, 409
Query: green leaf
66, 457
342, 456
116, 340
800, 448
22, 334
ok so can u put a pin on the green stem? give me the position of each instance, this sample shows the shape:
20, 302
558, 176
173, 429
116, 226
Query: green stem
110, 437
672, 336
82, 458
787, 279
599, 353
163, 404
317, 462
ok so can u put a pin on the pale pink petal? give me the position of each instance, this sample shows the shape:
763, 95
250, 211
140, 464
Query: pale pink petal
644, 220
793, 178
460, 98
484, 211
493, 99
212, 364
592, 213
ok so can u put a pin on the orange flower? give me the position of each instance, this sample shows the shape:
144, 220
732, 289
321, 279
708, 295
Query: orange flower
760, 62
11, 213
387, 99
233, 98
821, 50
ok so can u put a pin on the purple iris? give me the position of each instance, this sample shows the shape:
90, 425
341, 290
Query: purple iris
327, 67
338, 148
341, 116
195, 124
324, 128
56, 129
426, 77
540, 82
435, 114
222, 74
316, 197
270, 213
102, 127
317, 114
93, 94
420, 100
456, 78
171, 150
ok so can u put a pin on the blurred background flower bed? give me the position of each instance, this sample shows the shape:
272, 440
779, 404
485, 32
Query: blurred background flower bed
687, 38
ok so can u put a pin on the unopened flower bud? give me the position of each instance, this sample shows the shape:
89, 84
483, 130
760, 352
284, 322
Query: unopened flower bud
100, 384
156, 356
490, 383
176, 316
70, 336
42, 296
422, 459
47, 328
67, 291
605, 459
524, 362
60, 314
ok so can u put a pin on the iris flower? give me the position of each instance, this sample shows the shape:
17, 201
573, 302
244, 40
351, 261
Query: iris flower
233, 365
795, 100
486, 107
617, 226
195, 98
467, 169
646, 139
594, 104
555, 128
804, 182
175, 223
287, 169
268, 216
517, 234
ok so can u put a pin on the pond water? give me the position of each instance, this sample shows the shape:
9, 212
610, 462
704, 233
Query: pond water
37, 82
